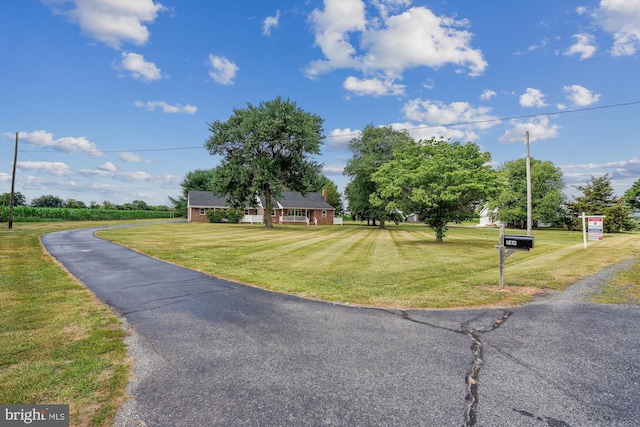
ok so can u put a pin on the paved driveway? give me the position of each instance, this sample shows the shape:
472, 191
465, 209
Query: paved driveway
211, 352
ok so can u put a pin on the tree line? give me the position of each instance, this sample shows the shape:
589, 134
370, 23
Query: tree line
269, 148
51, 201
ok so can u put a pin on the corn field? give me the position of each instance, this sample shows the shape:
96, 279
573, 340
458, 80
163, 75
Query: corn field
31, 214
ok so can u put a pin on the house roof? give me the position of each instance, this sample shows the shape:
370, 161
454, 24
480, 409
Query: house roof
203, 199
294, 200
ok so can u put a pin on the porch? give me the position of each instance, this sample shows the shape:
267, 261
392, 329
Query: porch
294, 219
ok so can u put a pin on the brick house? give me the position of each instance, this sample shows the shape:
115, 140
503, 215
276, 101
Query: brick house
291, 208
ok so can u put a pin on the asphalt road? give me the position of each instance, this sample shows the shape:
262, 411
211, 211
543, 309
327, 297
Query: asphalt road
211, 352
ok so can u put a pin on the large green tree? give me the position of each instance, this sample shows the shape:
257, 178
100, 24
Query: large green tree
265, 150
547, 199
599, 199
632, 196
74, 204
372, 149
440, 181
330, 189
47, 201
197, 180
19, 199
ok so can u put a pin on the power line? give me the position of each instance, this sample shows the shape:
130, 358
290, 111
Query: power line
355, 134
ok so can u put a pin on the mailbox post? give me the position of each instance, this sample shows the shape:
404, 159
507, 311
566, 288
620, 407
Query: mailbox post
510, 243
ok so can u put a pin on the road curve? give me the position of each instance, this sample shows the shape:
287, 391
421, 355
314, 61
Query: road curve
211, 352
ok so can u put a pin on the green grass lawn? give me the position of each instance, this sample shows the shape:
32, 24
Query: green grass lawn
623, 289
59, 343
400, 266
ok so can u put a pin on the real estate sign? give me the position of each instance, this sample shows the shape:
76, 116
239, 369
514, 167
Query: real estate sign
595, 228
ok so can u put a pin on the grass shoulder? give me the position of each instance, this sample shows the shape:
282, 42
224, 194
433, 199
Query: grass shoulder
622, 289
60, 344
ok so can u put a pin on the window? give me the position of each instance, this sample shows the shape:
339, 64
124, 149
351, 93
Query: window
324, 214
201, 211
294, 212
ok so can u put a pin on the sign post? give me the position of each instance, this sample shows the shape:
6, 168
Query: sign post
595, 227
510, 243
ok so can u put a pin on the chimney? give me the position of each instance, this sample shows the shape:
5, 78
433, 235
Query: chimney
324, 195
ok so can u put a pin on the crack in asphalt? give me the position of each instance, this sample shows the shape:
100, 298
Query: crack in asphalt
172, 298
472, 378
551, 422
179, 282
151, 308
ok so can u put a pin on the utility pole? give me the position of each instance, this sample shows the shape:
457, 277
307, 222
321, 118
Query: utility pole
13, 183
529, 221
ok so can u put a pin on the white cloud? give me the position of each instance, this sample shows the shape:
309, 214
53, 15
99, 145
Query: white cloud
134, 176
426, 132
375, 87
222, 70
540, 128
332, 169
127, 156
166, 107
385, 7
532, 98
339, 139
109, 167
120, 176
138, 67
581, 96
51, 168
621, 18
390, 43
418, 37
67, 144
584, 46
112, 22
168, 180
623, 173
624, 168
332, 29
488, 94
436, 112
269, 23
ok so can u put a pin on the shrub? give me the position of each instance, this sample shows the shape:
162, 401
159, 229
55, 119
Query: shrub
225, 215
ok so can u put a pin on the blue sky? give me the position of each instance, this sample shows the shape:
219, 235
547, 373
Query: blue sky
111, 98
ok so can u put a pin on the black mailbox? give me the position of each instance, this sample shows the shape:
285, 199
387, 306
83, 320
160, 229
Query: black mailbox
513, 241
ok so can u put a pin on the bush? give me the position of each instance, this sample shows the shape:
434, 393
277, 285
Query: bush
225, 215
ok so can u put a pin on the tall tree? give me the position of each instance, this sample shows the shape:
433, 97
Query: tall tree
442, 182
197, 180
372, 149
266, 149
632, 196
547, 199
74, 204
19, 199
599, 199
324, 185
47, 201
